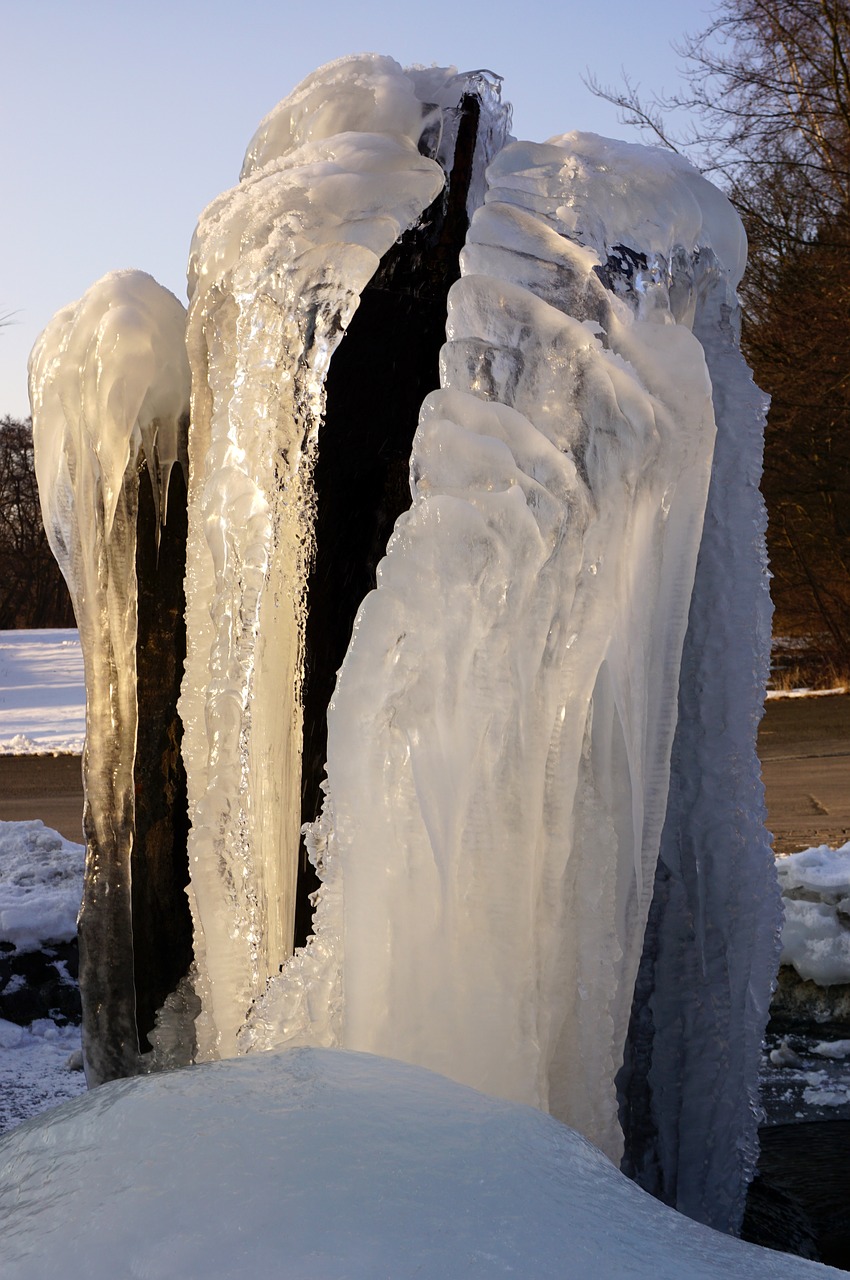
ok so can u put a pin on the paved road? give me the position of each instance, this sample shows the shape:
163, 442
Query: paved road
46, 787
805, 751
804, 745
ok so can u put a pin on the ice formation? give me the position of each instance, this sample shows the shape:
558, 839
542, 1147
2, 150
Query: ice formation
331, 180
512, 683
109, 385
500, 739
369, 1168
703, 993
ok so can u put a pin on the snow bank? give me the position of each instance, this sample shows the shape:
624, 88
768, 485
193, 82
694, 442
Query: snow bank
815, 887
42, 693
41, 884
369, 1168
41, 881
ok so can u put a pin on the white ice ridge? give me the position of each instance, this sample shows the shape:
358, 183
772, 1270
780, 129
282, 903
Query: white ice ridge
499, 741
332, 178
109, 382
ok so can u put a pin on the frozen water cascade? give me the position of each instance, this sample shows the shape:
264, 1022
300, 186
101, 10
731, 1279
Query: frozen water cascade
512, 683
109, 387
331, 180
702, 997
501, 758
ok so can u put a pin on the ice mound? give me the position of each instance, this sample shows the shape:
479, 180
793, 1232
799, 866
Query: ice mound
369, 1168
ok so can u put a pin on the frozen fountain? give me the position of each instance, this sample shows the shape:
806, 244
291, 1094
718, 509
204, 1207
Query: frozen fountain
542, 864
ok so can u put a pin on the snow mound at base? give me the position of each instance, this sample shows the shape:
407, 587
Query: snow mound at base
327, 1163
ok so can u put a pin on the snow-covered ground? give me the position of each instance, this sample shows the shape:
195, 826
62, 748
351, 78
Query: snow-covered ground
41, 879
42, 693
42, 711
40, 1066
805, 693
806, 1076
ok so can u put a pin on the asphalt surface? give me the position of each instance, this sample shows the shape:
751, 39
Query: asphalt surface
804, 746
46, 787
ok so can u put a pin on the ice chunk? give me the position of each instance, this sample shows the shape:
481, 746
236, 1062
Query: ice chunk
832, 1049
41, 880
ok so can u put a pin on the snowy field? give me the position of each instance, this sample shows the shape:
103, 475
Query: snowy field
43, 696
42, 693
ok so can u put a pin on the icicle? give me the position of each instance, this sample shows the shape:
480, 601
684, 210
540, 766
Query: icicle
107, 376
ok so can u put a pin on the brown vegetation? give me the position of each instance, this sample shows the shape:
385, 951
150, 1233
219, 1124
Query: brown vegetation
768, 97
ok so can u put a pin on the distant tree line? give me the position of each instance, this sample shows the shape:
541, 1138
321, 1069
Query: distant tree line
32, 590
768, 94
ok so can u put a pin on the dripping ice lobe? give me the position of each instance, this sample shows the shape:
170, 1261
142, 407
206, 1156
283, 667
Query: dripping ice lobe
475, 599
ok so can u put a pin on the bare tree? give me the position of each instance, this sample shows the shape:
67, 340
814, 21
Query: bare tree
768, 103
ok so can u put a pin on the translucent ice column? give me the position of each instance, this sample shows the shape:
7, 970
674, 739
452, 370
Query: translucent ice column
690, 1083
109, 385
331, 180
500, 737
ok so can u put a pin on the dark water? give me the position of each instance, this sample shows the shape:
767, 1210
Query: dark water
800, 1201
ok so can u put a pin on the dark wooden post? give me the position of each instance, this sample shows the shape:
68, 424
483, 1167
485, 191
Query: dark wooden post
381, 372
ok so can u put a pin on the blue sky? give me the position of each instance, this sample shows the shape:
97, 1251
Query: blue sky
120, 122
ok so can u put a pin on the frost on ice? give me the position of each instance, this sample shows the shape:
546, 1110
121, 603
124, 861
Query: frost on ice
109, 388
501, 762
